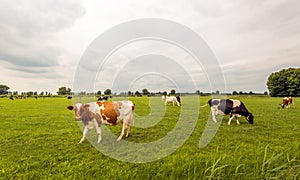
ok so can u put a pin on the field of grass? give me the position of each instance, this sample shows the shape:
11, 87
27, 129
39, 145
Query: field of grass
38, 140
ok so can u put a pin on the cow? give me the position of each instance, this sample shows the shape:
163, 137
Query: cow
69, 97
286, 101
235, 108
94, 114
101, 98
170, 99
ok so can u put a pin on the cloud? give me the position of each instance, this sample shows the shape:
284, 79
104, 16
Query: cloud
45, 39
28, 31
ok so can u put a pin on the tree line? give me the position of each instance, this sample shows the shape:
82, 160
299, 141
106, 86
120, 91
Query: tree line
285, 82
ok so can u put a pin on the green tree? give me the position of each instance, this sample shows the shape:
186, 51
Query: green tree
3, 89
284, 83
137, 93
64, 91
165, 93
98, 92
107, 92
145, 92
172, 92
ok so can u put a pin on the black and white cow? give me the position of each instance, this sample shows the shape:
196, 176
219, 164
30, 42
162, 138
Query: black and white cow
102, 98
233, 107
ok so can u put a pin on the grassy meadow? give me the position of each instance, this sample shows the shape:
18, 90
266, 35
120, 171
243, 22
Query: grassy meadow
38, 140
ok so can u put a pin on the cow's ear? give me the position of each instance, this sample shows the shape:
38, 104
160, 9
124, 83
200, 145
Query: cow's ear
70, 107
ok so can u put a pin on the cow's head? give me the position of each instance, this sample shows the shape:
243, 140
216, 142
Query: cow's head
250, 118
80, 110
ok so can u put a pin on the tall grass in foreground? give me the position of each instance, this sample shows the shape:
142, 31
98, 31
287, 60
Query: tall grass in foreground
38, 140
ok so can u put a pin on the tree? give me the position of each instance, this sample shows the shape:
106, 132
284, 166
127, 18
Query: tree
235, 93
3, 89
107, 92
145, 92
165, 93
137, 93
98, 93
64, 91
284, 83
172, 92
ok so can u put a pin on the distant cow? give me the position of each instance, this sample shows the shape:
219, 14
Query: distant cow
286, 101
69, 97
171, 99
101, 98
235, 108
93, 114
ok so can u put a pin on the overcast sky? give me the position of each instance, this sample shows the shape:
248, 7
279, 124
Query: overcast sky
42, 42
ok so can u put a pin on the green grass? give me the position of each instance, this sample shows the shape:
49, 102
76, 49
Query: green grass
38, 140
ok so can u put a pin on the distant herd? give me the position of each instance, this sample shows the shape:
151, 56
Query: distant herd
94, 114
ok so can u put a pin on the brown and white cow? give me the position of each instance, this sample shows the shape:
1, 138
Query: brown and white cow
286, 101
233, 107
93, 114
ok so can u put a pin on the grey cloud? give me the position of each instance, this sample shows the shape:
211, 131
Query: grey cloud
28, 30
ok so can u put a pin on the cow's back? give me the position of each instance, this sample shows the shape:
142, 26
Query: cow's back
109, 112
116, 110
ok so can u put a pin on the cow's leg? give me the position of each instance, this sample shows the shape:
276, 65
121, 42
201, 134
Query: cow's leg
231, 117
99, 134
213, 115
85, 131
122, 133
237, 121
128, 131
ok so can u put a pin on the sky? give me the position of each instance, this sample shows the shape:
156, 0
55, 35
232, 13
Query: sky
44, 45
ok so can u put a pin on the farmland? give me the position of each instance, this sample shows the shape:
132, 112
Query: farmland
38, 140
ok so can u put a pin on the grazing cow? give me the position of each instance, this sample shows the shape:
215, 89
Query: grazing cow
93, 114
11, 97
69, 97
101, 98
235, 108
286, 101
171, 99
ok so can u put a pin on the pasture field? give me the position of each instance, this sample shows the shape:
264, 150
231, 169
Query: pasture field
38, 140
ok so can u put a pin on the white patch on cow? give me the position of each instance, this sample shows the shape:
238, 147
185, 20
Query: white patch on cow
94, 107
78, 105
101, 107
236, 103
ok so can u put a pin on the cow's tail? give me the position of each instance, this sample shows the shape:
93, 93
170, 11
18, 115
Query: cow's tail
204, 105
